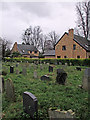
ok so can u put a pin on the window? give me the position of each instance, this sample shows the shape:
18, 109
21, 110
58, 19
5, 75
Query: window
64, 47
30, 51
65, 56
74, 47
78, 56
89, 56
35, 51
58, 56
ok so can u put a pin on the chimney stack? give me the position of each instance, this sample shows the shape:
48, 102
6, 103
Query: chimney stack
71, 32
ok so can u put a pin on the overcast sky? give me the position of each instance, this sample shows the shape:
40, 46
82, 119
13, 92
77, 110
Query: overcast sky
17, 16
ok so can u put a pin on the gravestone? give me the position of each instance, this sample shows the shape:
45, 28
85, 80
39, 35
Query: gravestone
66, 64
70, 64
60, 63
86, 79
11, 69
61, 76
17, 71
24, 71
78, 68
9, 88
50, 69
45, 77
47, 63
30, 104
3, 85
35, 74
41, 67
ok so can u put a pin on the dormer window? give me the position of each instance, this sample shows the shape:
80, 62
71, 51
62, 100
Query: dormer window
35, 51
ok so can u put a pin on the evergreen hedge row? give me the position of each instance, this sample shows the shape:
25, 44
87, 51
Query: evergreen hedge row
81, 62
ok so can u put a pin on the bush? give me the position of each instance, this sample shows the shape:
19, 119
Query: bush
80, 62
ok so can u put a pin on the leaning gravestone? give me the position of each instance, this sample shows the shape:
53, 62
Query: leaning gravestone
41, 67
11, 69
10, 93
61, 76
50, 69
86, 79
45, 77
30, 104
17, 71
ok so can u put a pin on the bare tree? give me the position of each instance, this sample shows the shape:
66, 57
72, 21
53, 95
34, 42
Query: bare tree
83, 18
53, 36
33, 36
5, 46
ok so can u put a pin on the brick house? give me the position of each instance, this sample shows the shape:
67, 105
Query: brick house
25, 50
72, 46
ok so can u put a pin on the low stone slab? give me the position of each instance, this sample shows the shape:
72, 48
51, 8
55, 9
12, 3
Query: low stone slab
58, 114
86, 79
45, 77
30, 104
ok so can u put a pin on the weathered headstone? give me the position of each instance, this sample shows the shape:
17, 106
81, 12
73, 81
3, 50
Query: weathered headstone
30, 104
11, 69
61, 76
24, 71
17, 71
3, 85
78, 68
50, 69
35, 74
86, 79
47, 63
66, 64
9, 88
60, 115
45, 77
41, 67
70, 64
60, 63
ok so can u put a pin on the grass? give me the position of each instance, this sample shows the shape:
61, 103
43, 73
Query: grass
48, 93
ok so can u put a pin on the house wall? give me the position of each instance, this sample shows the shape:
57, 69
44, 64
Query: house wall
68, 41
88, 54
14, 49
50, 57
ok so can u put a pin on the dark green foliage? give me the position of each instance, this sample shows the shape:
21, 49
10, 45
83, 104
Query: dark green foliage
49, 93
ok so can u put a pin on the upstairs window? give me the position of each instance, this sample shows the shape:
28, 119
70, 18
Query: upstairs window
30, 51
65, 56
74, 47
35, 51
78, 56
58, 56
63, 47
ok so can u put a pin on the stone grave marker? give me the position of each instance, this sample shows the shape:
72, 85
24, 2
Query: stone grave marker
47, 63
41, 67
70, 64
66, 64
11, 69
78, 68
24, 71
35, 74
30, 104
60, 63
86, 79
9, 88
3, 85
45, 77
61, 76
17, 71
50, 69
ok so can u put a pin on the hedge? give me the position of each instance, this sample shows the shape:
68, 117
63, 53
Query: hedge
81, 62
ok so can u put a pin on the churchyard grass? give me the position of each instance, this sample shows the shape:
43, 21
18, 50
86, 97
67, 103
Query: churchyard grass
48, 93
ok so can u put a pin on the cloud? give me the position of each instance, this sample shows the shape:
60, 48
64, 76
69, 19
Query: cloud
16, 17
